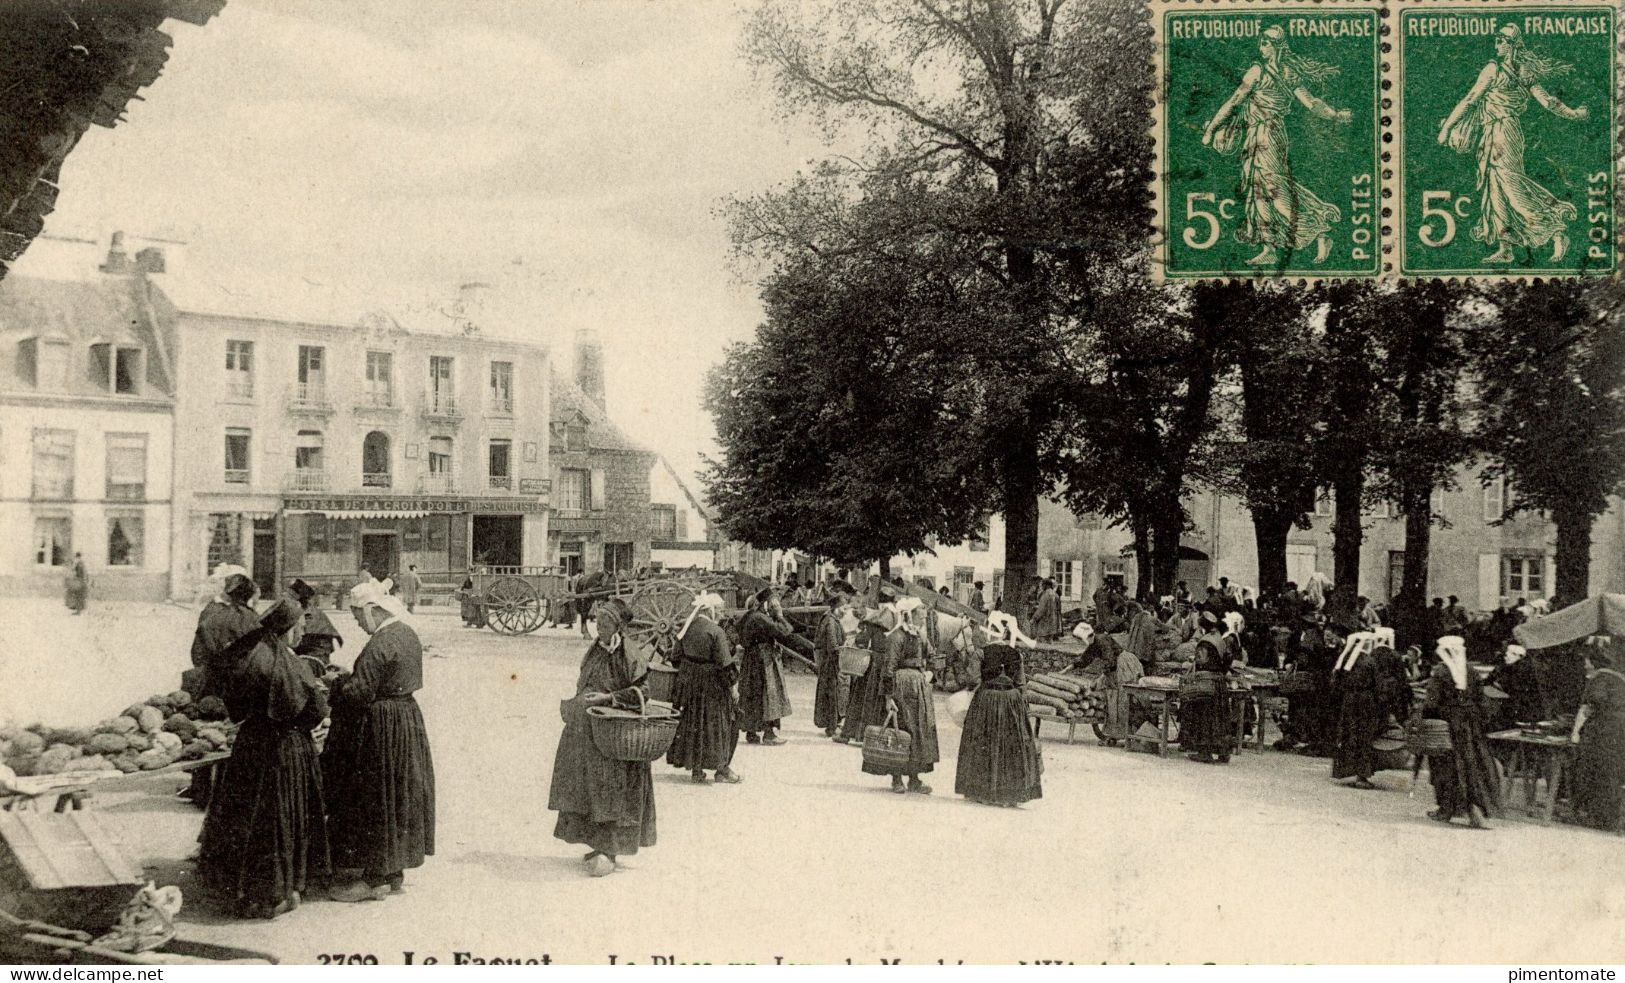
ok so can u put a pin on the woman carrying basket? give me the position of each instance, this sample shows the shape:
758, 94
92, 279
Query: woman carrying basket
906, 689
603, 804
1465, 780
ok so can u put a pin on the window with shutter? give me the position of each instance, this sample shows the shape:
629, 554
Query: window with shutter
53, 541
126, 466
1494, 500
682, 525
53, 463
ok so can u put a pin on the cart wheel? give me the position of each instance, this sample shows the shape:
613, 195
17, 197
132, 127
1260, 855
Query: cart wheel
659, 609
512, 606
1100, 732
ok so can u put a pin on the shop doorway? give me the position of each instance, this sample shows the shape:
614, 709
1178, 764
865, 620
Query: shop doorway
264, 568
380, 554
499, 540
570, 557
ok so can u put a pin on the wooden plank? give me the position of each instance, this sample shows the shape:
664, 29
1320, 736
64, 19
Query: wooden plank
106, 850
55, 851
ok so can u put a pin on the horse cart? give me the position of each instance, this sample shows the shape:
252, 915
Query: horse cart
515, 600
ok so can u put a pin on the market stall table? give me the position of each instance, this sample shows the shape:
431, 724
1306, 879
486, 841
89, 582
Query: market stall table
1534, 757
1166, 702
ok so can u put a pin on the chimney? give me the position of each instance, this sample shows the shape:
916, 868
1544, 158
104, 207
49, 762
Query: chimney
590, 366
118, 261
149, 260
473, 305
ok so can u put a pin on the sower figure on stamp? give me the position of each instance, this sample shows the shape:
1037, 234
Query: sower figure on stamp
1513, 211
1280, 213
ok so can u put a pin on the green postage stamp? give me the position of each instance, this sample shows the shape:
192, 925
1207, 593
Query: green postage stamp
1507, 139
1268, 133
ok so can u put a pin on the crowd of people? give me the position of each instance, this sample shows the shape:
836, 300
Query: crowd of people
330, 782
1355, 700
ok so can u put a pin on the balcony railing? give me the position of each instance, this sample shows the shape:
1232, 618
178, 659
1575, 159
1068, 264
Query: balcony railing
126, 492
438, 483
306, 480
236, 476
375, 400
240, 388
441, 406
309, 397
501, 481
375, 479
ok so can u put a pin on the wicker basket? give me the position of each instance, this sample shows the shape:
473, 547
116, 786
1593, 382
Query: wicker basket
854, 661
624, 737
1430, 737
661, 680
1197, 686
887, 747
1297, 683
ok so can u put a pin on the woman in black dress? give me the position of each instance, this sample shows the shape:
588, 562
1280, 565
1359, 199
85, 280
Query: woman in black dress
1599, 730
264, 839
603, 804
898, 683
999, 762
380, 776
1465, 779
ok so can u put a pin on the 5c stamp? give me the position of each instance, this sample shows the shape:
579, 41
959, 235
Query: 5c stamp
1267, 131
1506, 130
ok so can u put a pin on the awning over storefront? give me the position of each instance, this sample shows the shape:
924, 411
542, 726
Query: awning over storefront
231, 510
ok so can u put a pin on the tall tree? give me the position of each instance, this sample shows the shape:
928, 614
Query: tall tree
963, 107
1549, 362
1423, 441
1138, 425
843, 424
1281, 365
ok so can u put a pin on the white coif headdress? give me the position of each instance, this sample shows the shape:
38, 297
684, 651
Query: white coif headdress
1452, 651
375, 593
708, 601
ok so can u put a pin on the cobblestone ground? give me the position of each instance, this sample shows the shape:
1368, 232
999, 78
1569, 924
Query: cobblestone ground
1127, 858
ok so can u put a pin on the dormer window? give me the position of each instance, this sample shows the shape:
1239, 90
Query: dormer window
115, 369
43, 363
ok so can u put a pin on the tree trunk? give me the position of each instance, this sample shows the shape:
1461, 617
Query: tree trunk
885, 569
1270, 529
1348, 537
1573, 555
1166, 529
1411, 605
1021, 485
1142, 559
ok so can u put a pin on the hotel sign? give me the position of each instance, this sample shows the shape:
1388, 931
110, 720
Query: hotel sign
411, 503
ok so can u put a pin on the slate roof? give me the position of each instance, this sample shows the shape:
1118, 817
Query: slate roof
602, 433
98, 308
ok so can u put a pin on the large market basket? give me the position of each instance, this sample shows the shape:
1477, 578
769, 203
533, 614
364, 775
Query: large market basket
661, 680
888, 747
1430, 737
854, 661
626, 735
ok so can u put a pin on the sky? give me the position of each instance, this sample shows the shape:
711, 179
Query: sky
574, 152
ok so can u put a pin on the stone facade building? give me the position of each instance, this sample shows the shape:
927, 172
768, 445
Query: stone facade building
601, 478
87, 385
1473, 553
681, 530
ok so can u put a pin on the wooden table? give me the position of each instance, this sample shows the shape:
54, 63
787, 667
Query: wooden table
1072, 723
1167, 703
1535, 757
